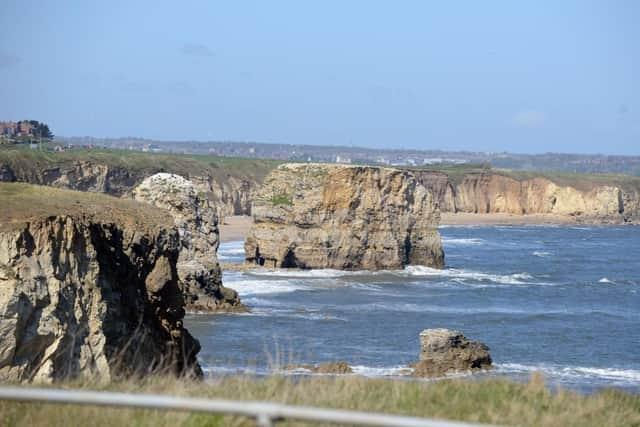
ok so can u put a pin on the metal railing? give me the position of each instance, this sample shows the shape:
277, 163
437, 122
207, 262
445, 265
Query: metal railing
264, 413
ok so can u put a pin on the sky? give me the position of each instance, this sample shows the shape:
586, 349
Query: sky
518, 76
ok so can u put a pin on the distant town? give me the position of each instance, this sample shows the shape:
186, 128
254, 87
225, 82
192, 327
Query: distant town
35, 133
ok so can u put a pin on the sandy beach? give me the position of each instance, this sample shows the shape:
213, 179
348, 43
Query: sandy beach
236, 227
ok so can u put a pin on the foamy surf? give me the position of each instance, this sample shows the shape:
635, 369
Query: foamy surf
574, 372
453, 273
462, 242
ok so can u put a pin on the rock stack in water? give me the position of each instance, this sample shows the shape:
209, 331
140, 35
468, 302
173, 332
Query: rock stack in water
197, 223
343, 217
88, 288
445, 351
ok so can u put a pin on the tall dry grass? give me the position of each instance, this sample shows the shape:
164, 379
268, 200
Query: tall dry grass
485, 401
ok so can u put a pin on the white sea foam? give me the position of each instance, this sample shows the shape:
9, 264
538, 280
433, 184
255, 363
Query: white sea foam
256, 287
371, 371
574, 372
605, 280
541, 253
462, 242
307, 274
453, 273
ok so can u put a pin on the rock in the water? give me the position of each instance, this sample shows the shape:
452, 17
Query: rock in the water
197, 222
343, 217
88, 294
337, 368
445, 351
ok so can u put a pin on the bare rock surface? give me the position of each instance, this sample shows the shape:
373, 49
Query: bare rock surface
343, 217
194, 216
88, 288
444, 351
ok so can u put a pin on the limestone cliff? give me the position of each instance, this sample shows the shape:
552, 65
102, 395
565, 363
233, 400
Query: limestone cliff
495, 193
88, 288
343, 217
197, 223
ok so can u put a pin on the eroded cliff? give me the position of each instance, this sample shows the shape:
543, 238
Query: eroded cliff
88, 288
584, 200
343, 217
194, 216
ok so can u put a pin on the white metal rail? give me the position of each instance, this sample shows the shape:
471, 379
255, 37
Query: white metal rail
264, 413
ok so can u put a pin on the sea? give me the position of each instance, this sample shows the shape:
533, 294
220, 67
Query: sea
560, 300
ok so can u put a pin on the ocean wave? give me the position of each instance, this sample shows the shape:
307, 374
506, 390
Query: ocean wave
326, 273
410, 271
453, 273
257, 287
605, 280
462, 242
541, 253
574, 372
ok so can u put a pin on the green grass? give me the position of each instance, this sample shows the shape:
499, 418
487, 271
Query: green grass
282, 199
484, 401
579, 181
25, 162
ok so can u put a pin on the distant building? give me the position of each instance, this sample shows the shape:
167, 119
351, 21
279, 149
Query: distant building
341, 159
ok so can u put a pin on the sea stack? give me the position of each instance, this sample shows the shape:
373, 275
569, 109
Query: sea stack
343, 217
197, 222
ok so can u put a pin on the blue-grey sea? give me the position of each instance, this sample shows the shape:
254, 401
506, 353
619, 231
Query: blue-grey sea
562, 300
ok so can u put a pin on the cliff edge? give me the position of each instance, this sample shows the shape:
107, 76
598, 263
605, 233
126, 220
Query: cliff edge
88, 288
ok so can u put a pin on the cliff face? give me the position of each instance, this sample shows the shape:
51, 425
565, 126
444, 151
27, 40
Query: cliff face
493, 193
88, 293
198, 269
343, 217
230, 196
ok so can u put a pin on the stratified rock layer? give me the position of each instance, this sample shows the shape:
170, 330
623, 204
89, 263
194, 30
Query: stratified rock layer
197, 223
444, 351
343, 217
584, 200
87, 293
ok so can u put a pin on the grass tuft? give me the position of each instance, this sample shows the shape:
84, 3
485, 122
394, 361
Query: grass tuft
494, 401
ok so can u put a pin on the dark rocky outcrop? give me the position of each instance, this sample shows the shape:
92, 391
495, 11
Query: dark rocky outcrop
443, 351
343, 217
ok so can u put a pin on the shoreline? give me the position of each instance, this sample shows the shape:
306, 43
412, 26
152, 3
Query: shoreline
235, 228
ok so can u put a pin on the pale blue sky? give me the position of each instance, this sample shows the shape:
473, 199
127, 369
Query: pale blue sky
520, 76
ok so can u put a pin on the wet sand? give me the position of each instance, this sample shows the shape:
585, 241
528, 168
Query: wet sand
236, 227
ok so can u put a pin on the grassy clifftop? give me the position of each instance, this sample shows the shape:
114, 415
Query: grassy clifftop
23, 161
21, 203
579, 181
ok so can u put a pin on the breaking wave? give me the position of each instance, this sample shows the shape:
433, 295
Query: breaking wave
574, 372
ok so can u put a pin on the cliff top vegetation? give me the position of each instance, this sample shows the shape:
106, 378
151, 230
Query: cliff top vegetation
24, 161
22, 203
494, 401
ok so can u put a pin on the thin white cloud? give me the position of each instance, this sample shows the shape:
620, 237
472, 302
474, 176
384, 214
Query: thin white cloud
529, 119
